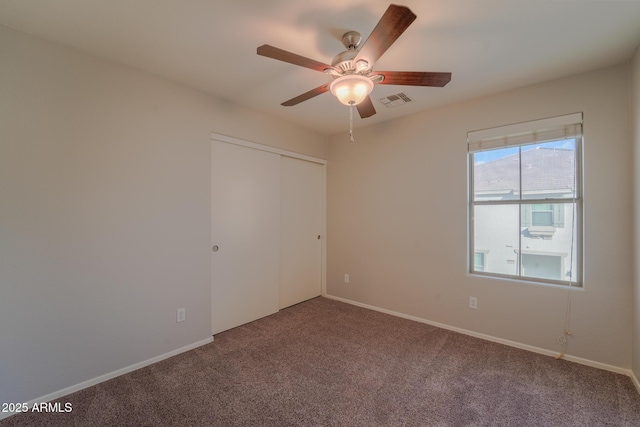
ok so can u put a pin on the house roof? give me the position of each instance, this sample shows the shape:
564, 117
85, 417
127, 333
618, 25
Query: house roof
544, 170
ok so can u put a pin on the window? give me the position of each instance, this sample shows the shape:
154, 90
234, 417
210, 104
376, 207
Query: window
478, 261
542, 215
525, 204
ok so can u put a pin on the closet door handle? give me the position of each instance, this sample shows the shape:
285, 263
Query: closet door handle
215, 248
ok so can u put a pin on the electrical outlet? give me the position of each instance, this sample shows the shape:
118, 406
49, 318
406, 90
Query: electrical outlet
181, 314
346, 278
473, 302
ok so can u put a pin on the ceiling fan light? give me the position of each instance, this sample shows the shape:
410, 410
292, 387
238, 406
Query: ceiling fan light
351, 89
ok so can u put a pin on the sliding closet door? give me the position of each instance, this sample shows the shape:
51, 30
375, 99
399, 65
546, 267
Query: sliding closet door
245, 234
302, 194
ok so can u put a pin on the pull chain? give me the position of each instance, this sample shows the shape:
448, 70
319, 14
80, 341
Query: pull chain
351, 104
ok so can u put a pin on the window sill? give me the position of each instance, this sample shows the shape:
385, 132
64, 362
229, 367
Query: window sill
543, 232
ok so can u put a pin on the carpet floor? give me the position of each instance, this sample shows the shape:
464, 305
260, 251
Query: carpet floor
327, 363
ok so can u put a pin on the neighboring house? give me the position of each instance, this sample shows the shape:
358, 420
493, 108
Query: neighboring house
546, 231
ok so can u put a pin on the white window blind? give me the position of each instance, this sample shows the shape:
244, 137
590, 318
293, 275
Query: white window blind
551, 129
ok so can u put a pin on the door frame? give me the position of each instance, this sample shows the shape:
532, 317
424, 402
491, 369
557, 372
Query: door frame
323, 252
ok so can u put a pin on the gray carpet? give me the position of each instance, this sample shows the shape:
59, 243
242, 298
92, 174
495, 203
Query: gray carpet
326, 363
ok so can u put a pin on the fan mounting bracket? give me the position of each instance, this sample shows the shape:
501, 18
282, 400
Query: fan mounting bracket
351, 40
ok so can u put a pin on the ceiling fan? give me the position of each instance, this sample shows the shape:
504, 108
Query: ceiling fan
352, 69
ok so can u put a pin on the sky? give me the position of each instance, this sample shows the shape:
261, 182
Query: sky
487, 156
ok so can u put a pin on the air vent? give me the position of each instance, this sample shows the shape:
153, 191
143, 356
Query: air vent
396, 100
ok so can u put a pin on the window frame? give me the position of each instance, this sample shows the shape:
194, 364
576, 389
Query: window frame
577, 277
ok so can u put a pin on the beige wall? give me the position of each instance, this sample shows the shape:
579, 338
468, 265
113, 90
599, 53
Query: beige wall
635, 126
397, 220
104, 213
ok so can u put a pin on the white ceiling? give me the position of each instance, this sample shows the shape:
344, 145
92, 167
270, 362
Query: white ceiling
488, 45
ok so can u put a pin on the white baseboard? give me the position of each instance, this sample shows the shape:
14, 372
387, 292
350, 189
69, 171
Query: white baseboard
510, 343
634, 379
102, 378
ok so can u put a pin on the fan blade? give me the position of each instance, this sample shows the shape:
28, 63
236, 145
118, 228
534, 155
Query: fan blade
291, 58
307, 95
365, 108
392, 24
414, 78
